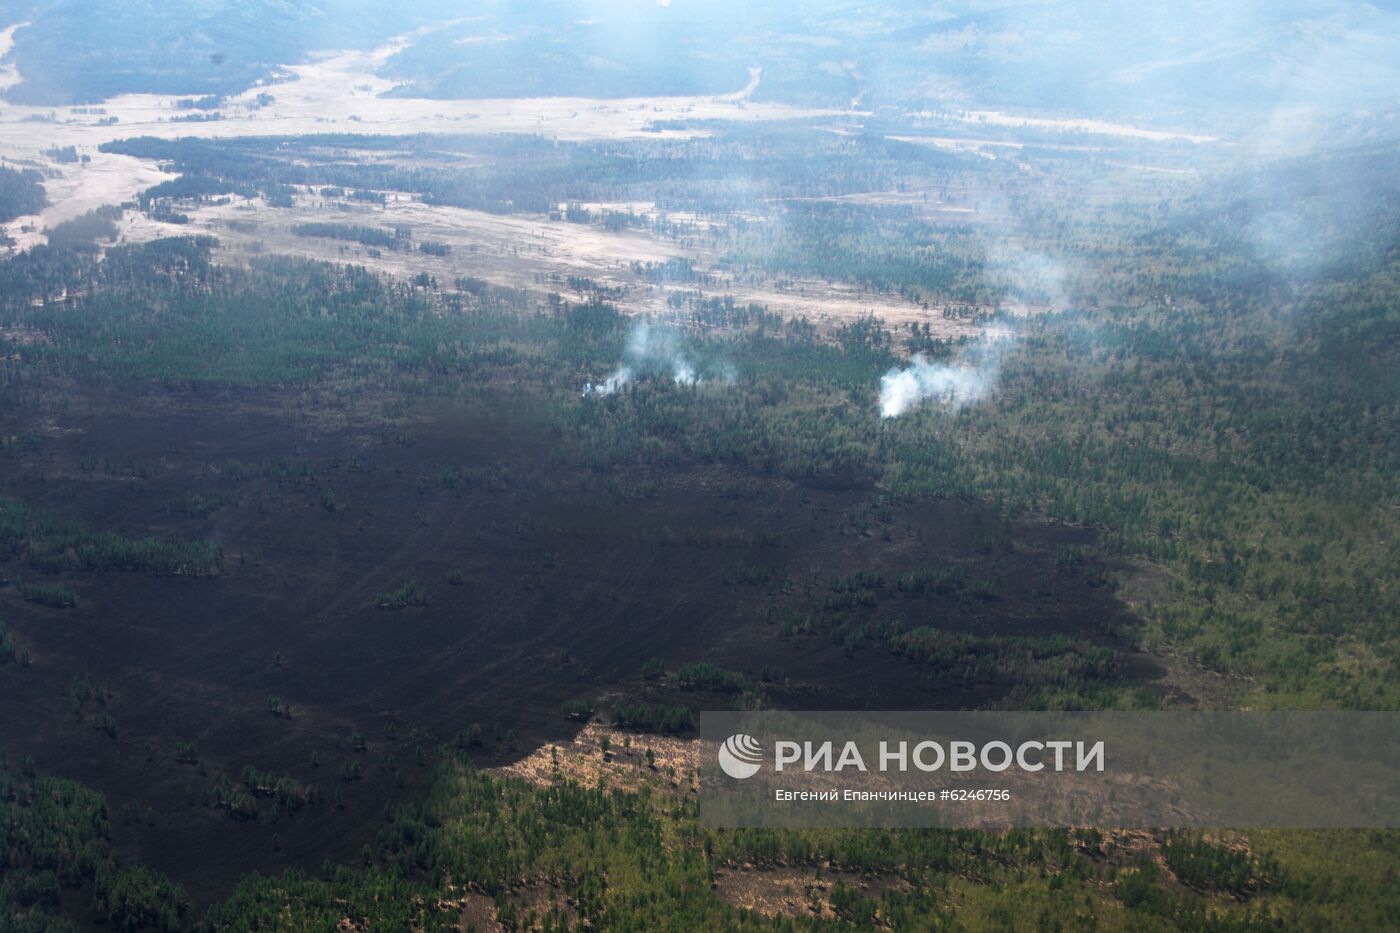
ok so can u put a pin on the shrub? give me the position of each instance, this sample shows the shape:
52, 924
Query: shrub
7, 644
709, 676
950, 580
652, 717
470, 737
55, 595
139, 899
578, 709
410, 594
1212, 866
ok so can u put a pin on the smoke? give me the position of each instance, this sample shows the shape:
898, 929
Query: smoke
970, 377
1024, 276
656, 349
1028, 281
620, 377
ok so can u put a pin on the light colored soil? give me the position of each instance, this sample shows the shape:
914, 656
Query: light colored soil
1078, 125
339, 92
582, 760
75, 189
9, 75
531, 252
335, 93
794, 892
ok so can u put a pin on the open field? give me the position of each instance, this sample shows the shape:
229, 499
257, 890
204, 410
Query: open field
340, 93
337, 93
538, 254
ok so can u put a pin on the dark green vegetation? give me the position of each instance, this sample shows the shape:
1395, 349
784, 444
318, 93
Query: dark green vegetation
654, 717
369, 236
410, 594
273, 453
55, 839
9, 651
21, 192
512, 174
53, 595
1216, 447
54, 545
637, 860
89, 231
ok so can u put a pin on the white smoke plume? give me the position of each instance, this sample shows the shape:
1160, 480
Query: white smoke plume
651, 348
1030, 282
968, 379
619, 378
1029, 279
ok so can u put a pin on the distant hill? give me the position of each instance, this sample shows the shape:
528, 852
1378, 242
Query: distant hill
82, 51
1204, 65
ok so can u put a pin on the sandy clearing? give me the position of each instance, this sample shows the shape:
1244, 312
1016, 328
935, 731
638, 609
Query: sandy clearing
919, 200
336, 92
968, 144
700, 223
532, 244
531, 252
675, 761
1161, 169
9, 74
339, 92
836, 303
1097, 127
75, 189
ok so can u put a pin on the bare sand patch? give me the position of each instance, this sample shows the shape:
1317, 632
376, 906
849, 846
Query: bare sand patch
674, 762
536, 253
1076, 124
335, 92
795, 892
341, 92
9, 74
76, 188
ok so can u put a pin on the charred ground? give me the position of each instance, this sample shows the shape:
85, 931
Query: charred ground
542, 583
288, 542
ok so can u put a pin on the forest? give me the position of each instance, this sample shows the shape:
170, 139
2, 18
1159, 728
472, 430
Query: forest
516, 173
1204, 416
1212, 448
624, 859
21, 192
